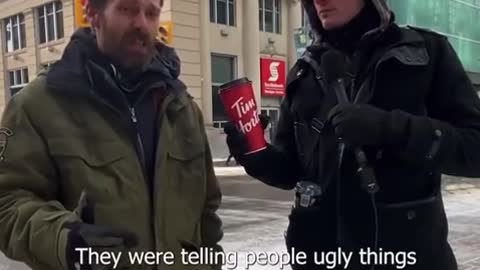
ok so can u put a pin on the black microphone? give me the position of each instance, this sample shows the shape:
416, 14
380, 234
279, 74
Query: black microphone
335, 69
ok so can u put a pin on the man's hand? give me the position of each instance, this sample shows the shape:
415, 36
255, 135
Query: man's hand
360, 124
237, 141
87, 235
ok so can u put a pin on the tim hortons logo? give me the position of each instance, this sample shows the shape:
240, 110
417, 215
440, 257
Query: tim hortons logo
242, 108
274, 72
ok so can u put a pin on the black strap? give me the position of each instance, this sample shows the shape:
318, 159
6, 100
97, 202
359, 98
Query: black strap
317, 125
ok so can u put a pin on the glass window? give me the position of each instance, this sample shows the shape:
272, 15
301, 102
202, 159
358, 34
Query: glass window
15, 33
50, 21
268, 4
222, 12
268, 21
23, 36
25, 75
50, 26
270, 16
12, 78
277, 16
231, 12
223, 70
18, 80
42, 30
59, 22
16, 39
49, 8
212, 11
260, 17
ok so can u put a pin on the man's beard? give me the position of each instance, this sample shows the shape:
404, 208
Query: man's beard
120, 56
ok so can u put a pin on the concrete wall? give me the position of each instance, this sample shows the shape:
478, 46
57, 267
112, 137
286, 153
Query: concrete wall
186, 17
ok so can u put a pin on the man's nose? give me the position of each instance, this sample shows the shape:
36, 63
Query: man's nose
140, 20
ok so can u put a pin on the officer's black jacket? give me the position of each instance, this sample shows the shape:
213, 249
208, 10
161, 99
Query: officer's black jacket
416, 75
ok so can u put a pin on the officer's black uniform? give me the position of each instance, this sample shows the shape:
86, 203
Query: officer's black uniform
416, 115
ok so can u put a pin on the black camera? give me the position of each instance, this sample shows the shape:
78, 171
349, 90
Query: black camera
307, 194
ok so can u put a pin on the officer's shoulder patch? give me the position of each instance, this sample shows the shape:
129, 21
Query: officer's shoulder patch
5, 133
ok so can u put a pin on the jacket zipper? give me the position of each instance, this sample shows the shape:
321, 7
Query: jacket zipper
134, 120
151, 188
139, 141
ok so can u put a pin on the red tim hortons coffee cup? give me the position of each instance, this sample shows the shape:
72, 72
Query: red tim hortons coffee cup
238, 100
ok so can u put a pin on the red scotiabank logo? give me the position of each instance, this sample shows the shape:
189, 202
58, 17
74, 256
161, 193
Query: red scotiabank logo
273, 77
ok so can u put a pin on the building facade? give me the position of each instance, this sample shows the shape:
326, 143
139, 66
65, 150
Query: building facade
217, 41
33, 35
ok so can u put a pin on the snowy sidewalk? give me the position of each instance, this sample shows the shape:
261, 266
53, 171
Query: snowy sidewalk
260, 229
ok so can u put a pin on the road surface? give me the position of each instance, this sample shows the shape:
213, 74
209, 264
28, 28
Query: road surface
255, 217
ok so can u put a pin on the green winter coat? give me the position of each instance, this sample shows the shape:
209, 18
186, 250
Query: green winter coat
54, 145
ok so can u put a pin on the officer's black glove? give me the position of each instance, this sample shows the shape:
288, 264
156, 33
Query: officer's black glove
87, 235
237, 140
362, 125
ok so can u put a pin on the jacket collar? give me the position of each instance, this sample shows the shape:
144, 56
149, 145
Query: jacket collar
82, 66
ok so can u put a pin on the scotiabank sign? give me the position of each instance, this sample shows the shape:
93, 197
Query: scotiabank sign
273, 77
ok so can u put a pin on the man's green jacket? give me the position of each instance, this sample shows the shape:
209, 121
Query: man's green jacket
54, 145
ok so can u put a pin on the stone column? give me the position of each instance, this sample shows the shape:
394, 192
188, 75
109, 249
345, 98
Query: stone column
251, 45
205, 60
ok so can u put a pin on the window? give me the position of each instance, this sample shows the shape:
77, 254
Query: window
50, 21
305, 21
223, 70
15, 33
18, 80
270, 16
222, 12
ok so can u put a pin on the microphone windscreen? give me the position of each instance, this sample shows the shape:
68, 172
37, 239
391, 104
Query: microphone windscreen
334, 65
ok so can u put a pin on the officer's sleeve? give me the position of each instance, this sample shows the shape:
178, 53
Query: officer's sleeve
30, 217
448, 140
277, 165
211, 224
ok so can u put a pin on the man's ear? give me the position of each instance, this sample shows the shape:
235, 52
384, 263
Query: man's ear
93, 16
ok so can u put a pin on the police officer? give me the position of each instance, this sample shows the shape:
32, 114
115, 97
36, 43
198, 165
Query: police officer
373, 115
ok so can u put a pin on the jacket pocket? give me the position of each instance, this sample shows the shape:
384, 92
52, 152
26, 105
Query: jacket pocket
94, 154
103, 169
187, 176
418, 226
186, 153
186, 164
